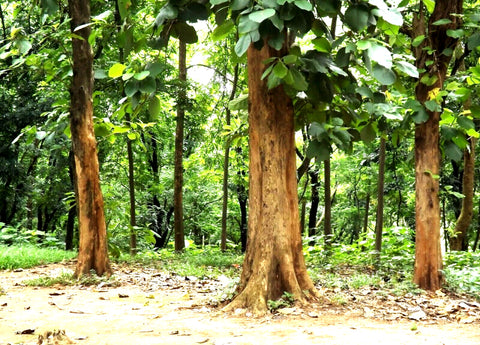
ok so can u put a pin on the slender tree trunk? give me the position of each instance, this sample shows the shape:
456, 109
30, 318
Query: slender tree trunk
93, 253
131, 171
459, 240
223, 242
242, 202
380, 190
327, 199
178, 187
428, 255
477, 237
365, 216
131, 193
72, 211
274, 261
315, 202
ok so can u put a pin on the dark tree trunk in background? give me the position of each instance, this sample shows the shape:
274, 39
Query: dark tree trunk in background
72, 210
315, 202
380, 192
460, 241
223, 244
242, 201
93, 253
178, 184
327, 200
428, 256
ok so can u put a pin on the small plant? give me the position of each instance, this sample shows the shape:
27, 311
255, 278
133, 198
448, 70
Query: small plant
287, 300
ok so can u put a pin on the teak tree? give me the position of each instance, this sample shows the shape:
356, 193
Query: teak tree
274, 261
432, 56
92, 253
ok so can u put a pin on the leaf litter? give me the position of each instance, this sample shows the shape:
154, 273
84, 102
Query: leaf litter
151, 294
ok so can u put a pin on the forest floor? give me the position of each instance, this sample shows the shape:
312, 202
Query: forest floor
142, 306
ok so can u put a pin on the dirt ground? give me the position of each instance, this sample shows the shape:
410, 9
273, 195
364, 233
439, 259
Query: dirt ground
151, 307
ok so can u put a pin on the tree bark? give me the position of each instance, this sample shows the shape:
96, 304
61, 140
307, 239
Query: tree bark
223, 242
327, 221
459, 239
315, 201
178, 186
380, 190
428, 256
274, 261
93, 253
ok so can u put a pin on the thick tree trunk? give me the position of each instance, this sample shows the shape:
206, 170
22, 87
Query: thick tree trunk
428, 256
459, 240
178, 186
380, 190
274, 261
93, 253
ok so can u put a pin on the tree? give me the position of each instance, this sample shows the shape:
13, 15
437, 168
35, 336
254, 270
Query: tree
380, 192
432, 55
459, 241
178, 184
92, 252
274, 261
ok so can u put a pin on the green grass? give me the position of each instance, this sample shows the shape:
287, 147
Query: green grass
67, 279
29, 256
201, 263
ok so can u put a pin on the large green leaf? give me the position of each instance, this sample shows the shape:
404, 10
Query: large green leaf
167, 12
303, 4
329, 7
380, 55
242, 45
322, 45
223, 30
368, 134
148, 85
185, 32
116, 70
153, 108
194, 12
356, 17
407, 68
452, 151
465, 123
260, 16
384, 75
245, 25
318, 150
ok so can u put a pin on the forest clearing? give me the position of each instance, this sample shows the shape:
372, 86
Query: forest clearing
313, 162
150, 306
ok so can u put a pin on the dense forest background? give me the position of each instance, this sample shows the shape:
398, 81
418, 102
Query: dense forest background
354, 143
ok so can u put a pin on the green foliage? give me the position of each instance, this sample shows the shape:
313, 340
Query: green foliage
208, 262
10, 235
27, 256
287, 300
67, 279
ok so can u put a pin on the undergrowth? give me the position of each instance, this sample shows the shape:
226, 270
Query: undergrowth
27, 256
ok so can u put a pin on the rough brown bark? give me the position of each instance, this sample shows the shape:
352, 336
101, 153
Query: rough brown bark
92, 253
178, 186
428, 256
459, 240
274, 261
